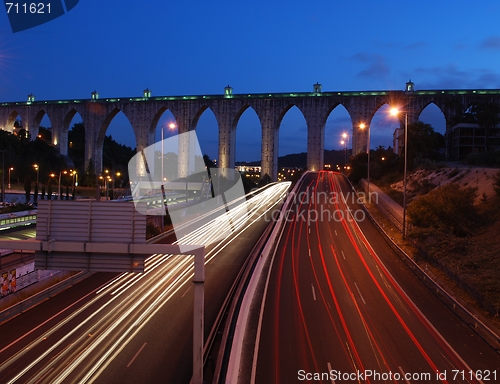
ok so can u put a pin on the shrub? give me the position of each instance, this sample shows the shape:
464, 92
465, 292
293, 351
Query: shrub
448, 208
496, 183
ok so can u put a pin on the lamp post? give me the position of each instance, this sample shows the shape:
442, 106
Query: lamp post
363, 126
344, 142
395, 112
59, 189
3, 177
171, 126
10, 169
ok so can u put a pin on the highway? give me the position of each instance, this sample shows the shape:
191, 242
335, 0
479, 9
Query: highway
132, 327
340, 306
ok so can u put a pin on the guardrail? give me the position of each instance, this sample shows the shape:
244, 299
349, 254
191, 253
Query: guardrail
26, 304
486, 333
233, 302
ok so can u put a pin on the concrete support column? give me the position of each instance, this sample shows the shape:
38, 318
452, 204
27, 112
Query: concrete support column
184, 163
59, 140
270, 140
315, 144
92, 125
142, 142
5, 124
28, 117
227, 147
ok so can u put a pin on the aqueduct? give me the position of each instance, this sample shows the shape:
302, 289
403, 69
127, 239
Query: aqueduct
144, 113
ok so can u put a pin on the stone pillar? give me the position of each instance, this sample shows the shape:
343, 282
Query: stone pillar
227, 137
265, 110
315, 143
59, 139
269, 156
142, 142
183, 126
92, 124
5, 124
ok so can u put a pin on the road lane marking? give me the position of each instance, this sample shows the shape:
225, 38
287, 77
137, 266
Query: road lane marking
343, 255
360, 295
137, 354
314, 293
336, 234
404, 374
309, 252
329, 370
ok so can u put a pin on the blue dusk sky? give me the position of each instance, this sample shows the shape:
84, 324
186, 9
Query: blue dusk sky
190, 47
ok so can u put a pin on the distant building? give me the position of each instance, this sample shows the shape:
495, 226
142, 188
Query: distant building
467, 138
398, 141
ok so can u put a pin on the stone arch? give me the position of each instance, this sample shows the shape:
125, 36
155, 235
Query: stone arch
62, 141
239, 113
337, 121
101, 133
207, 116
362, 121
285, 110
156, 121
194, 122
37, 119
244, 113
438, 112
11, 119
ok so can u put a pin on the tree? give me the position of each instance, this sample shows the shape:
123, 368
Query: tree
496, 183
423, 142
35, 194
448, 208
90, 175
266, 179
208, 163
49, 189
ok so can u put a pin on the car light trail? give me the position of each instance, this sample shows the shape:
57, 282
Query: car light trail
121, 307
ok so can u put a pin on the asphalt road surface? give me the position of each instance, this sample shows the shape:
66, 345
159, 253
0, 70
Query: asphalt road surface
341, 307
131, 328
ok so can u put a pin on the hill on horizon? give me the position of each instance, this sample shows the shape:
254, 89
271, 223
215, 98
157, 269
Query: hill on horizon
299, 160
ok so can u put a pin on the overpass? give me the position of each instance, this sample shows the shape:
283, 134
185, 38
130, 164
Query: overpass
144, 113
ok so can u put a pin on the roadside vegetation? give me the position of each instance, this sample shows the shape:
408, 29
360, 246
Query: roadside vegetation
460, 234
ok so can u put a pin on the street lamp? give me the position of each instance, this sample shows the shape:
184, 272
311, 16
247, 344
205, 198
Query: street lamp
171, 126
37, 168
10, 169
344, 143
395, 112
363, 126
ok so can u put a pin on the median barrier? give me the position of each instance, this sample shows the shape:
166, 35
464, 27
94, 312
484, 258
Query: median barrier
26, 304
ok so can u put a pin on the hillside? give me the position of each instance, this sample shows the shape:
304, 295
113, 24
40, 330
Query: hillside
422, 181
472, 260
